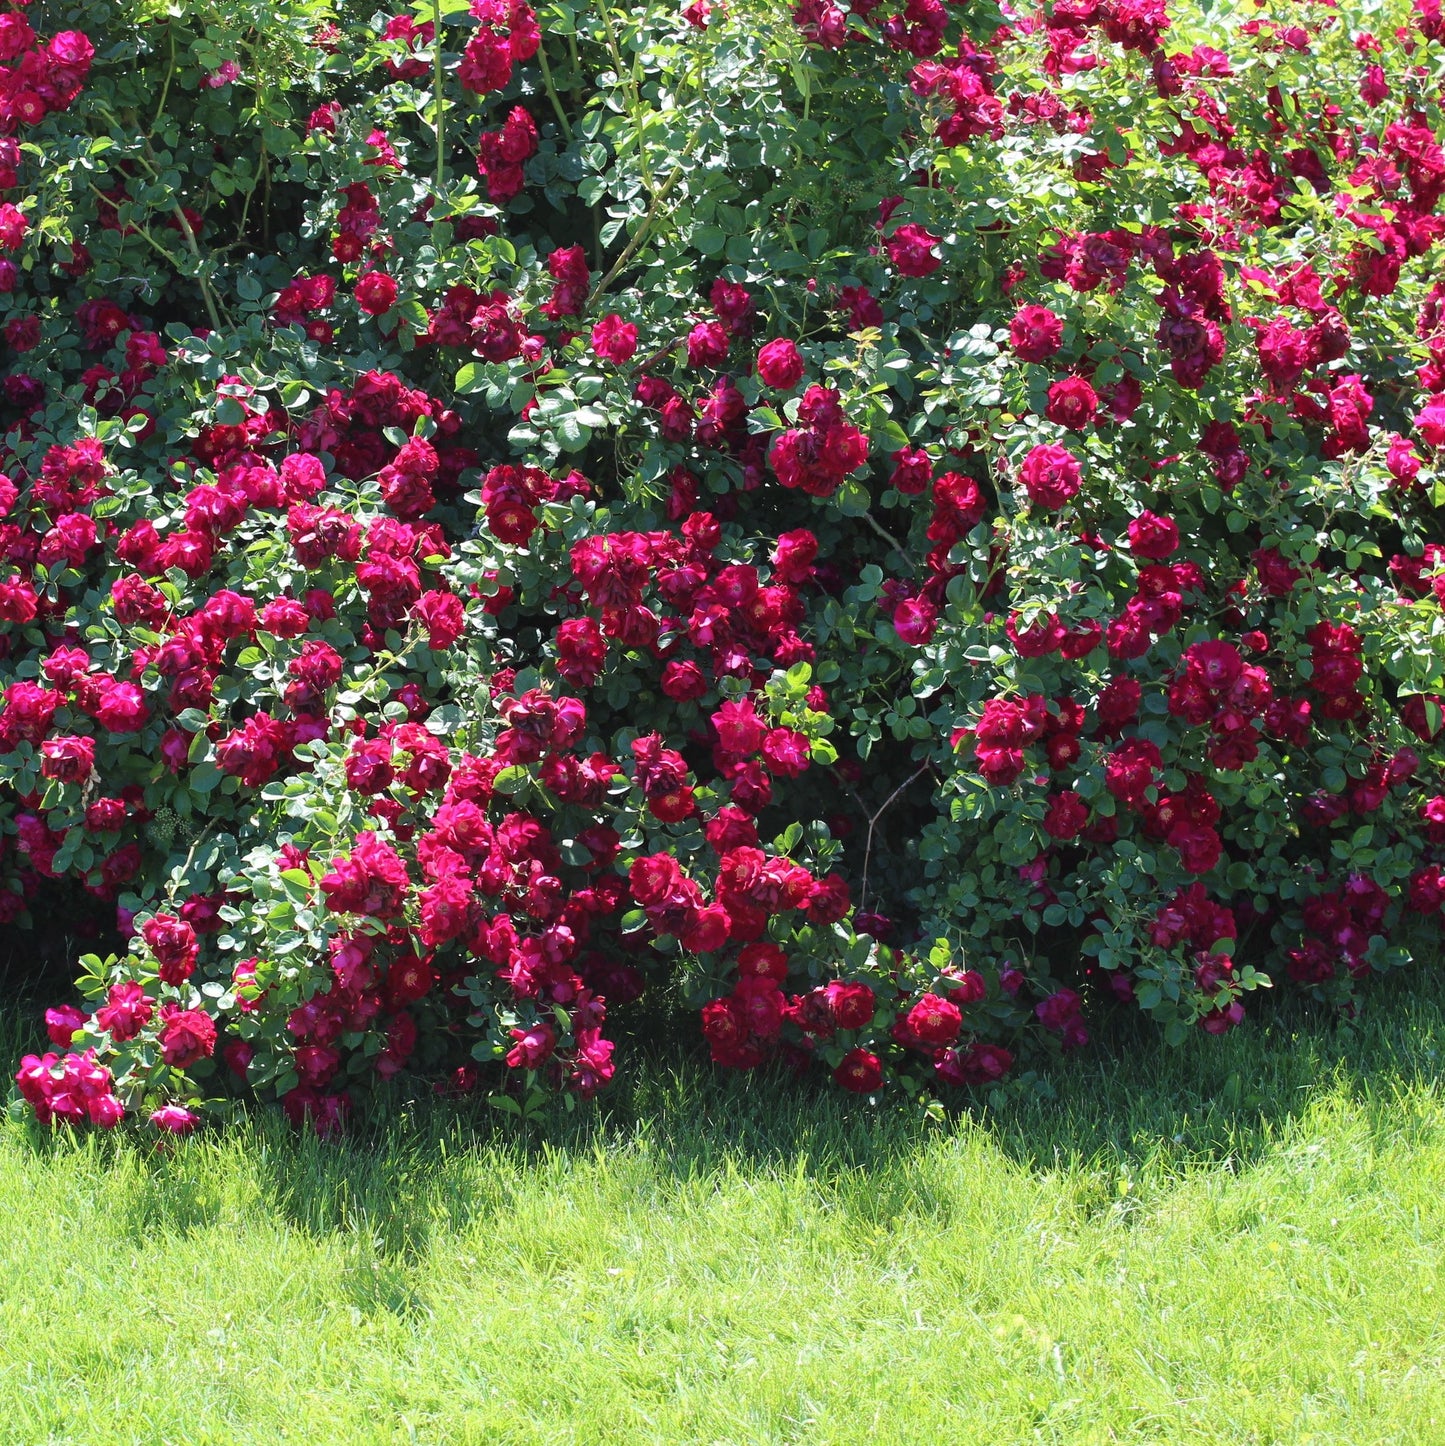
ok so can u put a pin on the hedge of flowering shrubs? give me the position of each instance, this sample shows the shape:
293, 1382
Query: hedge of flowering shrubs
884, 532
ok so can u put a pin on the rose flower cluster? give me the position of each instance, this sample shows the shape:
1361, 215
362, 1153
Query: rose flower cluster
541, 536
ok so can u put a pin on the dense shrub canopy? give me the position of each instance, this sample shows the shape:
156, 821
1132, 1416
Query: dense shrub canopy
887, 532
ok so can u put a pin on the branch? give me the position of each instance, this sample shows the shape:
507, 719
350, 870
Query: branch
213, 309
551, 90
183, 873
438, 96
630, 250
661, 352
887, 536
872, 823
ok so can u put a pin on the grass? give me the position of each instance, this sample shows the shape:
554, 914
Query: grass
1237, 1242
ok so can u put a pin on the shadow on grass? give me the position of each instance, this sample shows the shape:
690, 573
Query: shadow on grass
1130, 1105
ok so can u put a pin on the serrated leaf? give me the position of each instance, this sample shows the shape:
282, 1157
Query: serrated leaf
511, 780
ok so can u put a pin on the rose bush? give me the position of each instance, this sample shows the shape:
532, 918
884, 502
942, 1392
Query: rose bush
892, 530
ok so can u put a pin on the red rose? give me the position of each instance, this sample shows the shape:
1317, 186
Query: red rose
126, 1011
1066, 817
68, 759
1051, 475
914, 620
1153, 537
1072, 403
852, 1003
935, 1020
375, 293
1035, 333
614, 340
911, 249
175, 946
707, 345
443, 616
979, 1064
187, 1036
859, 1072
780, 364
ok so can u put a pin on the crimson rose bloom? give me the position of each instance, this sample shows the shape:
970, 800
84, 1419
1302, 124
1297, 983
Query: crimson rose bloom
175, 1119
1130, 769
1072, 403
614, 340
915, 620
860, 1072
68, 759
375, 293
533, 1046
707, 345
1035, 333
1067, 816
935, 1020
1051, 475
1430, 420
780, 364
911, 249
187, 1036
126, 1011
979, 1064
683, 681
443, 615
793, 556
1153, 537
912, 470
175, 946
852, 1003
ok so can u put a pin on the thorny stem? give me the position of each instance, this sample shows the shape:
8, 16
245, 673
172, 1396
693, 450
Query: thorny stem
634, 100
246, 204
641, 234
142, 231
660, 195
576, 68
661, 352
872, 824
438, 98
387, 660
183, 873
166, 84
887, 536
551, 91
213, 309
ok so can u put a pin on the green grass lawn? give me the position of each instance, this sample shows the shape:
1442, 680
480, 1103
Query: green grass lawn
1236, 1242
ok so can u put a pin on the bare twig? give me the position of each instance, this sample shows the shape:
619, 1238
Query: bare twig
182, 874
872, 824
887, 536
439, 95
641, 234
661, 352
551, 91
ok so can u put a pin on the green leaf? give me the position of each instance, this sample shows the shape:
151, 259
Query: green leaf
471, 378
511, 780
710, 240
572, 434
204, 777
297, 883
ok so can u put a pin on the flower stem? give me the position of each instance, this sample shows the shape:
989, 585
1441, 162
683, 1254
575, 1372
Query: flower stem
552, 92
438, 95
